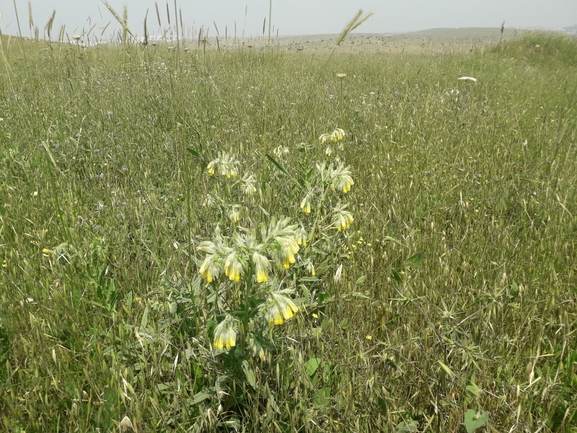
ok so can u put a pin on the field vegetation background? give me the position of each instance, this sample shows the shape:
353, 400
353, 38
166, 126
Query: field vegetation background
449, 304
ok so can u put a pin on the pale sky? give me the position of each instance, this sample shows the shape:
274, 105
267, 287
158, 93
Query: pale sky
289, 17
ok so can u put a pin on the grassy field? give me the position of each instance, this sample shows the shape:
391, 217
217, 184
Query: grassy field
131, 176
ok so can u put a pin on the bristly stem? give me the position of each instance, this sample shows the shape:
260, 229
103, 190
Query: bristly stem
177, 57
17, 19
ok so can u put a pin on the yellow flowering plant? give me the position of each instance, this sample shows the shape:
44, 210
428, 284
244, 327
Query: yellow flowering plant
261, 270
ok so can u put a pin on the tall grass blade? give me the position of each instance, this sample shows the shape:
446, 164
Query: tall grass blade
61, 33
5, 59
177, 57
349, 26
145, 28
17, 19
30, 18
104, 29
353, 24
125, 19
158, 14
366, 17
48, 28
122, 22
277, 164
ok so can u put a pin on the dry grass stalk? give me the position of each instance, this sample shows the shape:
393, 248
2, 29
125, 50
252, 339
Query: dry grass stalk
122, 22
61, 33
353, 24
48, 28
158, 14
30, 18
145, 28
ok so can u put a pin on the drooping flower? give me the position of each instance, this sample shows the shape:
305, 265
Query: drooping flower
324, 137
225, 334
288, 249
233, 267
342, 179
306, 204
281, 308
234, 214
301, 236
342, 218
248, 184
311, 268
337, 135
261, 265
211, 166
209, 270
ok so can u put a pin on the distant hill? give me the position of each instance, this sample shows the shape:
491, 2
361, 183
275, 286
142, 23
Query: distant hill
572, 30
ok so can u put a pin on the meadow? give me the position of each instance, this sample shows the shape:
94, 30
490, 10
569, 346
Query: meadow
425, 279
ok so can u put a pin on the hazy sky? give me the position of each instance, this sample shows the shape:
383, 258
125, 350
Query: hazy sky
289, 17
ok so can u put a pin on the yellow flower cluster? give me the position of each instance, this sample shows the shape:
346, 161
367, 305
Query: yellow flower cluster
342, 219
281, 243
225, 164
288, 249
234, 214
281, 308
225, 334
342, 179
209, 270
337, 135
248, 184
233, 267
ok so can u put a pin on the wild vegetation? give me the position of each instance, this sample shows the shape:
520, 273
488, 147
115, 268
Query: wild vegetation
418, 234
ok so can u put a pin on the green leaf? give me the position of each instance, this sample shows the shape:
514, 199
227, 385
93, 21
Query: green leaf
361, 280
447, 369
416, 260
407, 427
322, 396
276, 163
390, 239
308, 279
110, 396
249, 374
312, 365
194, 152
382, 406
144, 320
396, 276
475, 420
198, 397
473, 390
324, 297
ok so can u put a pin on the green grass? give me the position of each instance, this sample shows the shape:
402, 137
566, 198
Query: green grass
459, 284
